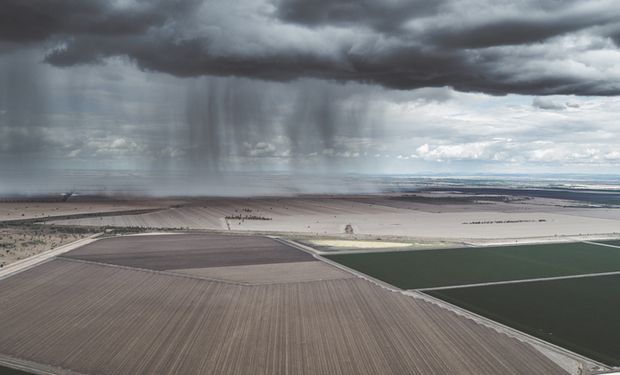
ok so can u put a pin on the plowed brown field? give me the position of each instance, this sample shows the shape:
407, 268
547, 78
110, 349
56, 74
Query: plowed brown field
165, 252
104, 319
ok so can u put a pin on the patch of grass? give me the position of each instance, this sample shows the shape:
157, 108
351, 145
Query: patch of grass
578, 314
33, 243
447, 267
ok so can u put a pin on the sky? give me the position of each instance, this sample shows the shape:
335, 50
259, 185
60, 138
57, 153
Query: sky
322, 86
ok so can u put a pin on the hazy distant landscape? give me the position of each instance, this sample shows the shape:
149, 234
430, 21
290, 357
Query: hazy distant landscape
140, 183
455, 246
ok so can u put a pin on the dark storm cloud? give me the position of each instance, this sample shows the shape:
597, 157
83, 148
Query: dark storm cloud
381, 15
31, 21
535, 23
615, 35
189, 58
514, 25
513, 31
473, 45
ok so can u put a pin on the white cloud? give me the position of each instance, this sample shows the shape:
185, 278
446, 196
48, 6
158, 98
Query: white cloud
487, 151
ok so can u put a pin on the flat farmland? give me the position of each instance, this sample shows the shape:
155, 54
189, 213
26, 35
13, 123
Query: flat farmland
270, 273
580, 314
184, 217
451, 267
105, 319
374, 216
166, 252
211, 213
37, 210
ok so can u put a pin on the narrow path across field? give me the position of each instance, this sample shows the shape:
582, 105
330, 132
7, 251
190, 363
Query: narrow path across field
599, 244
520, 281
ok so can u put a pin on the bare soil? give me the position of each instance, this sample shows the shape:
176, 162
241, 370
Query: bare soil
165, 252
94, 318
271, 273
380, 216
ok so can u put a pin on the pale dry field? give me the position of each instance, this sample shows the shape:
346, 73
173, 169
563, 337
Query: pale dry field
270, 273
380, 216
212, 213
94, 318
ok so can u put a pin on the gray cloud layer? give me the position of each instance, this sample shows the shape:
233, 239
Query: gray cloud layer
528, 47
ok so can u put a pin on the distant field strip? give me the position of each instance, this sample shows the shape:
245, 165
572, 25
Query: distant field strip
451, 267
580, 314
110, 320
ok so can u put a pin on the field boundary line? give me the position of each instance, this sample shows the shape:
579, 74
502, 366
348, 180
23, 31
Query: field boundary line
356, 273
148, 270
578, 276
197, 277
600, 244
35, 260
296, 245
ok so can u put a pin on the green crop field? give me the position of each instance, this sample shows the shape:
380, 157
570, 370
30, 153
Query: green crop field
579, 314
448, 267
